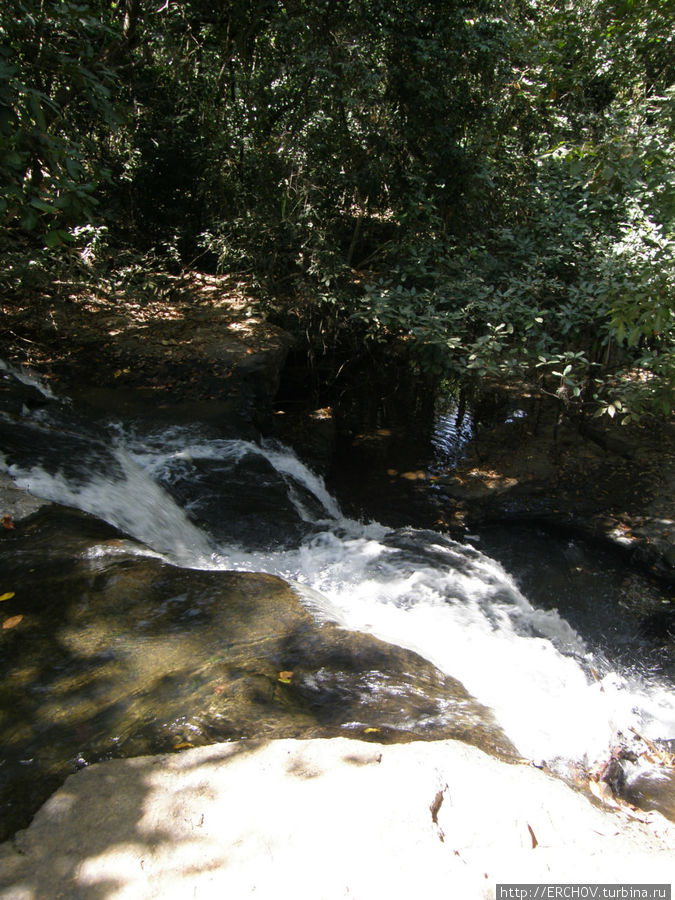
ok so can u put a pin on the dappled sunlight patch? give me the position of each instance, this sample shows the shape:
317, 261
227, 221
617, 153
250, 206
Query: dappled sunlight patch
245, 329
371, 437
323, 414
120, 863
112, 313
490, 479
621, 534
416, 475
411, 475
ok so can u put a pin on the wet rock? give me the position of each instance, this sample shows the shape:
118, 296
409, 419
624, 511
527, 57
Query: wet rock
15, 503
119, 654
16, 396
659, 626
652, 789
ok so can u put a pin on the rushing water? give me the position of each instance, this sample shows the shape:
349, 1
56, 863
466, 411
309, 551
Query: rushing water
205, 502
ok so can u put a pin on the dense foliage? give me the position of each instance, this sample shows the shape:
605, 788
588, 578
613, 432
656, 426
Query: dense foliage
56, 107
490, 183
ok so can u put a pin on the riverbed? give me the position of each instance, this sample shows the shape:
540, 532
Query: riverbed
545, 633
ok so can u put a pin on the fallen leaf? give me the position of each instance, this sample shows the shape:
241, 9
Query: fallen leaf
370, 730
285, 677
7, 522
182, 745
12, 622
436, 804
7, 596
532, 835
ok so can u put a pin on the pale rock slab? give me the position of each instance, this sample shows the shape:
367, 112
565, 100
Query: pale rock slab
322, 820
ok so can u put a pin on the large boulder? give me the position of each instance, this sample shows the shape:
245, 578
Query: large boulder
110, 653
322, 819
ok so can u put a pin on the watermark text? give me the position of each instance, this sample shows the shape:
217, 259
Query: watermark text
583, 892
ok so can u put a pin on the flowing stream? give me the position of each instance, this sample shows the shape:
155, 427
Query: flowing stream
202, 501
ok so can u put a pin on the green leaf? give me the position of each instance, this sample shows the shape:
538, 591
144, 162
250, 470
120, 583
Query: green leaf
73, 166
13, 159
37, 111
53, 239
36, 203
29, 219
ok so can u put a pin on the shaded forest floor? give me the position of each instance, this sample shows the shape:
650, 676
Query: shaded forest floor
172, 338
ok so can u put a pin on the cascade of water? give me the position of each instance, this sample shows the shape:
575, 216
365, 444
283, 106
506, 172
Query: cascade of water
460, 610
288, 464
26, 378
131, 501
419, 589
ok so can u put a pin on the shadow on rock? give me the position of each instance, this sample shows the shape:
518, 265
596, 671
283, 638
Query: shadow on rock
117, 654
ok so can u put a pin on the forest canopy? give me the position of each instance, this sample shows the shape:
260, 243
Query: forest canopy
490, 183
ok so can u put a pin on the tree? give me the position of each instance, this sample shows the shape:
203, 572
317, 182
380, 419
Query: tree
57, 108
567, 283
489, 182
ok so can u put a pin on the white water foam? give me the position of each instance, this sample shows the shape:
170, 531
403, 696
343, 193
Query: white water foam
133, 503
420, 590
27, 378
473, 623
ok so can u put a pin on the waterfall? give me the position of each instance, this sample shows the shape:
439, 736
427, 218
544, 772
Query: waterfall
196, 499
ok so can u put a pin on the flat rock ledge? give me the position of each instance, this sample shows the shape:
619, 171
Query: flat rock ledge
323, 819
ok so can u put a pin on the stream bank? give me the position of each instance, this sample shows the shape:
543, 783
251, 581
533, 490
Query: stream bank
385, 460
463, 459
202, 349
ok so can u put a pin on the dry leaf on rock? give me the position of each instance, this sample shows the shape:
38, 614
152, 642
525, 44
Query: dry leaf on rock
533, 837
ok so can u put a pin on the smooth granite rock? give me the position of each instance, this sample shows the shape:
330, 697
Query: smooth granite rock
322, 819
